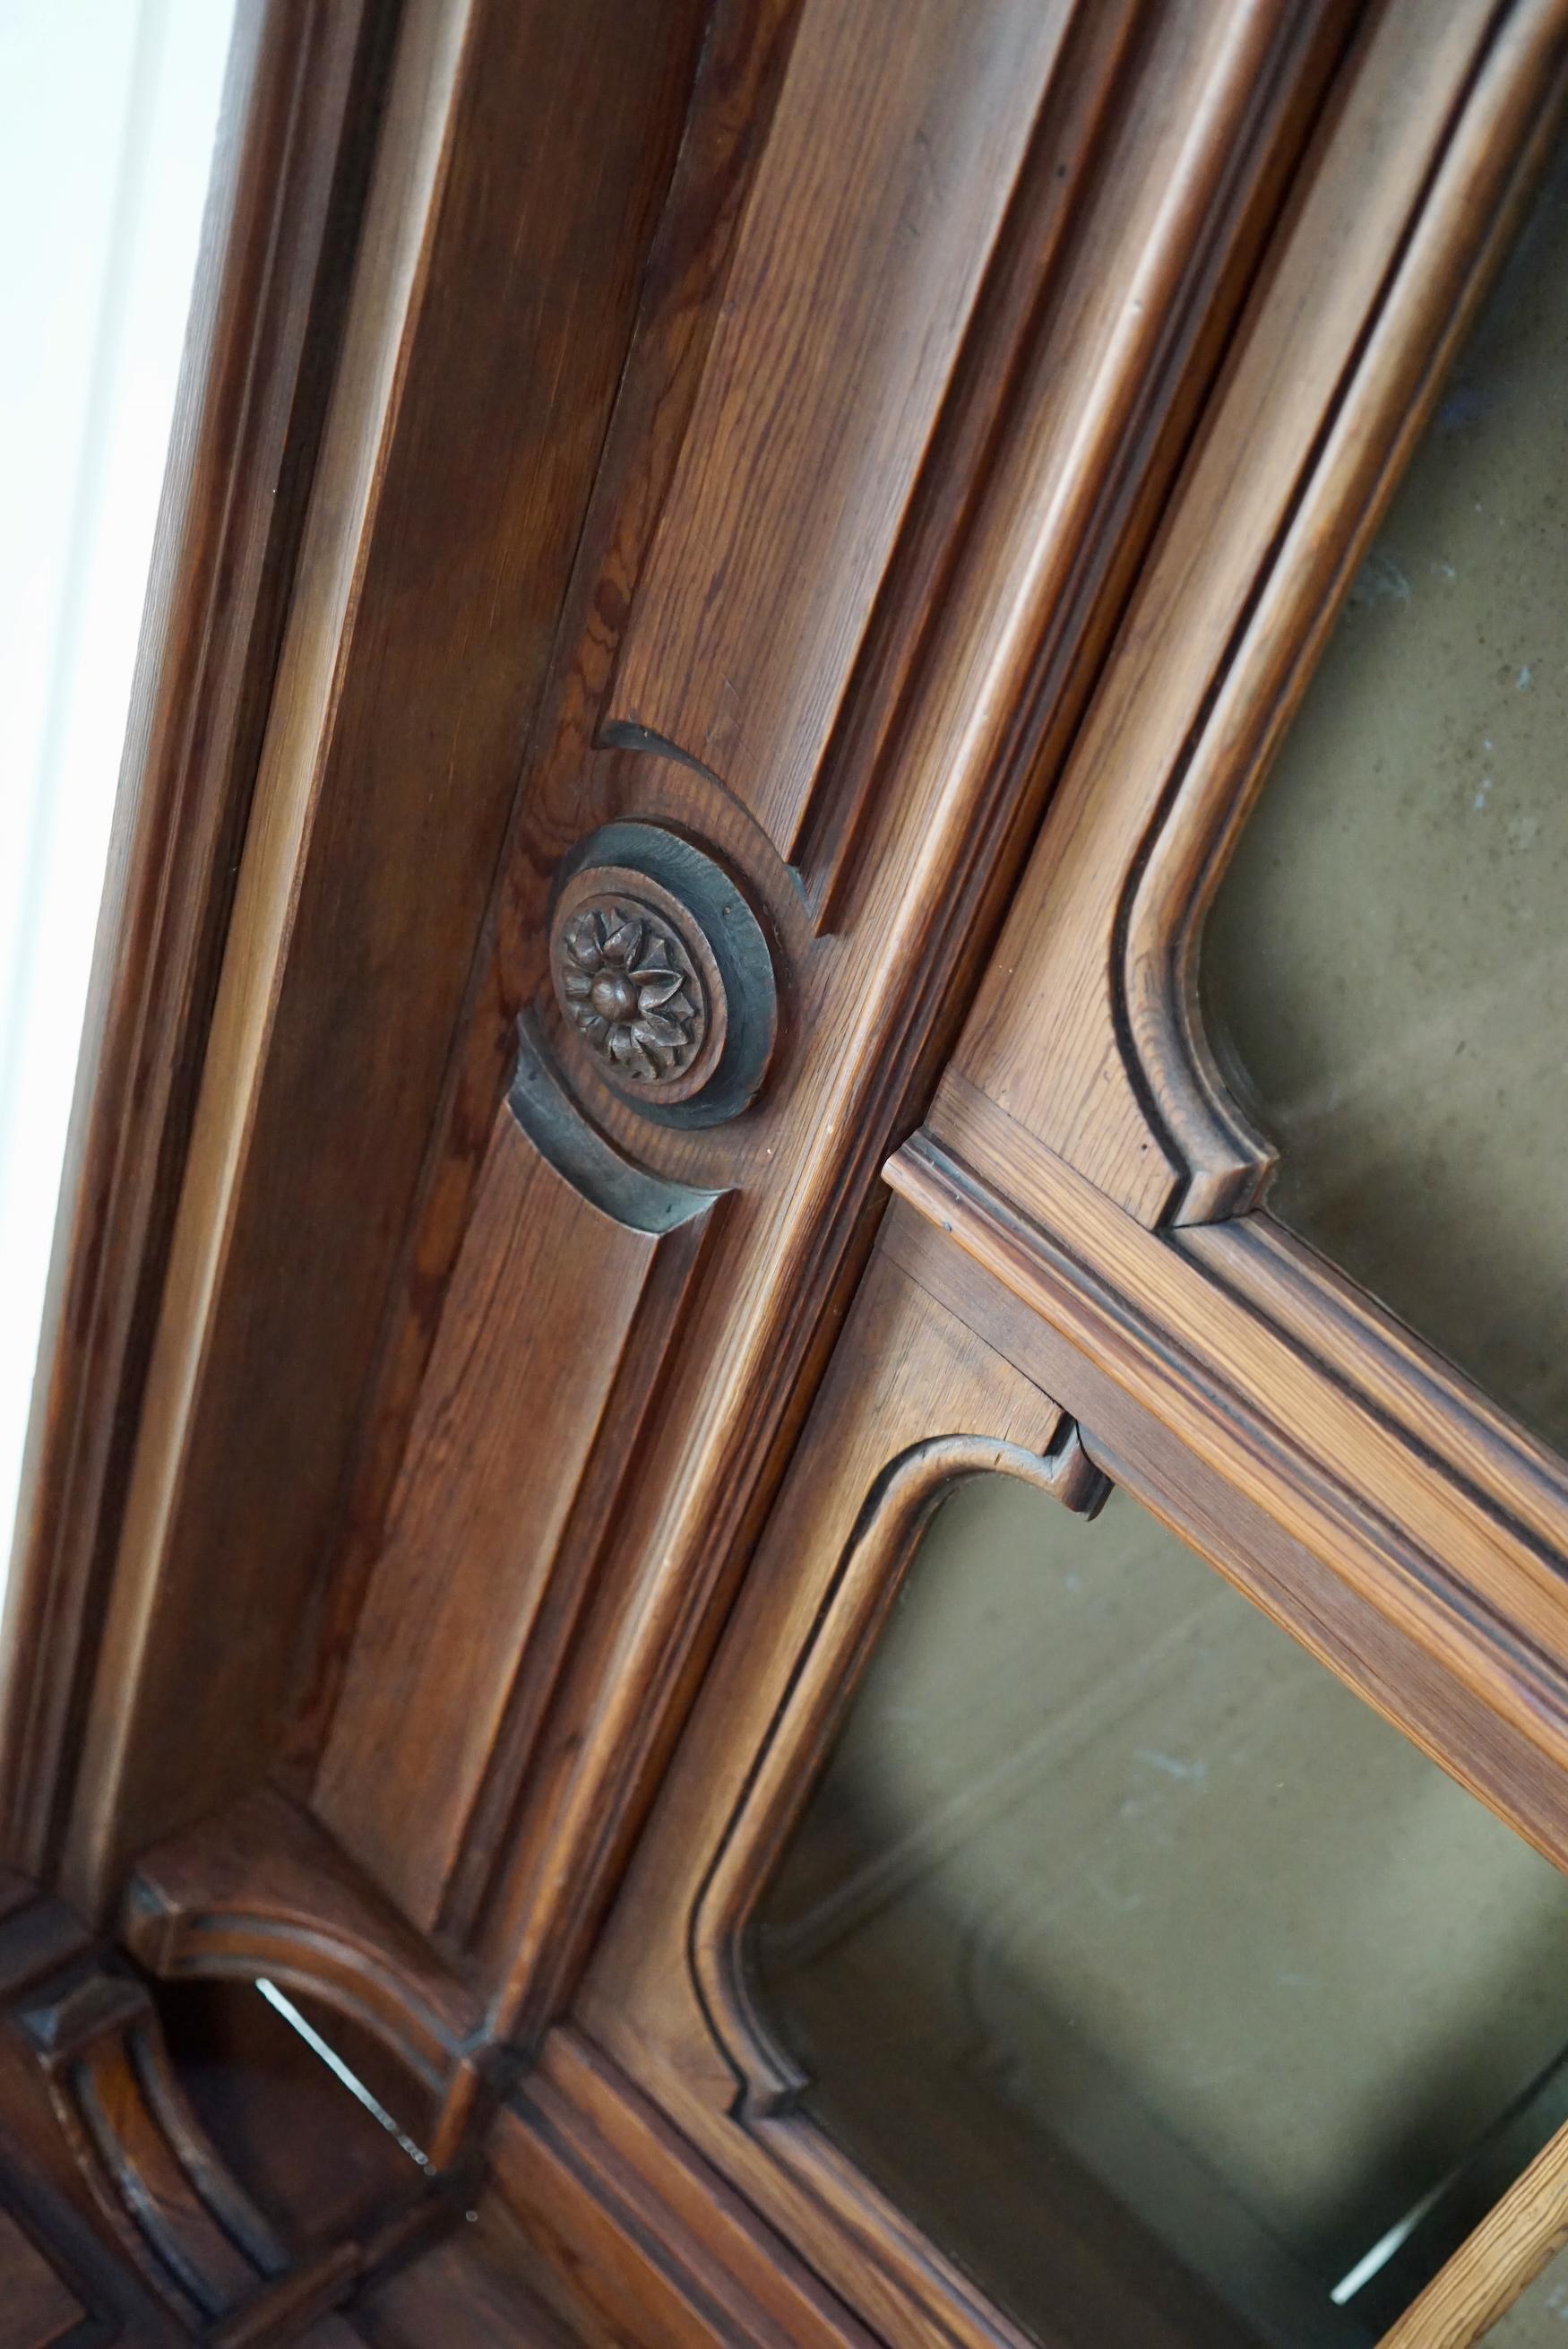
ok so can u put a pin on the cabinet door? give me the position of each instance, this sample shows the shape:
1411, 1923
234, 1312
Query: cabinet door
1110, 1885
796, 1535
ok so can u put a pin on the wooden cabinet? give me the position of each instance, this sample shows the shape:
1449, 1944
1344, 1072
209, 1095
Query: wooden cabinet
800, 1444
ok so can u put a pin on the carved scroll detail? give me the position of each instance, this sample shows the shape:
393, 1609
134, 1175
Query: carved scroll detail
177, 2211
261, 1890
869, 1578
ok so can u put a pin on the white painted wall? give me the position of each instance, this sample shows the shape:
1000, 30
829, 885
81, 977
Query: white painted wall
108, 110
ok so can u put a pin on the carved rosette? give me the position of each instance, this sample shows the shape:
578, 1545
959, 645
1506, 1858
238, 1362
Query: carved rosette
637, 979
628, 986
663, 975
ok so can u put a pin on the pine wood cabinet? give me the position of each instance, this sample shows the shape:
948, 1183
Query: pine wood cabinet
800, 1446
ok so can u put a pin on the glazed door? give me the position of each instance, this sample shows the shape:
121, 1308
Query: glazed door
809, 1454
1110, 1888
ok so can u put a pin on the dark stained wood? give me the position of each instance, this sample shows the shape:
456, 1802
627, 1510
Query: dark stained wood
453, 477
942, 1404
640, 2240
37, 2311
261, 1890
109, 2163
474, 2291
314, 2159
916, 1400
743, 59
538, 1369
854, 440
896, 140
293, 147
1473, 1590
1336, 368
1100, 395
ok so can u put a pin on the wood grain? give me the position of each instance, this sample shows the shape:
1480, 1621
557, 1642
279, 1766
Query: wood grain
528, 1383
1486, 2274
640, 2238
1101, 376
910, 1390
293, 143
1335, 370
895, 143
451, 456
259, 1890
1475, 1588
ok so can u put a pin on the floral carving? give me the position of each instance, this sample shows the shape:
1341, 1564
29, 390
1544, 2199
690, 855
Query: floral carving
628, 985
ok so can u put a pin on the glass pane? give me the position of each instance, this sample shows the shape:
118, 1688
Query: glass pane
1385, 968
1161, 1981
1539, 2317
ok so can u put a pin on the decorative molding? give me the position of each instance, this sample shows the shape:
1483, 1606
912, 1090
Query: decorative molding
1467, 222
542, 1107
651, 2244
870, 1576
510, 1485
165, 2192
1368, 287
663, 974
1396, 1524
261, 1890
157, 2194
305, 87
754, 599
629, 984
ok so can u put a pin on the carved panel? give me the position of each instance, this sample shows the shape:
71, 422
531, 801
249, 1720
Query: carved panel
546, 1367
649, 1005
912, 1402
663, 974
897, 138
180, 2217
1331, 382
259, 1890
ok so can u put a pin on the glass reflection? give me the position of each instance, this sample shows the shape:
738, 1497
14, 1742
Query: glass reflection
1385, 967
1174, 1992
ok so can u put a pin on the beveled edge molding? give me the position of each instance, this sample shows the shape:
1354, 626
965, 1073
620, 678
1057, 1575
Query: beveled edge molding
260, 1891
1099, 947
1447, 1523
1467, 220
303, 88
645, 923
868, 1577
540, 1104
660, 2245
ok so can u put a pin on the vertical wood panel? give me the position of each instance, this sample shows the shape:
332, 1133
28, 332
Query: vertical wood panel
537, 1322
900, 132
1180, 718
525, 156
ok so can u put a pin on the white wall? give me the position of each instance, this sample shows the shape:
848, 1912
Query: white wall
108, 110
